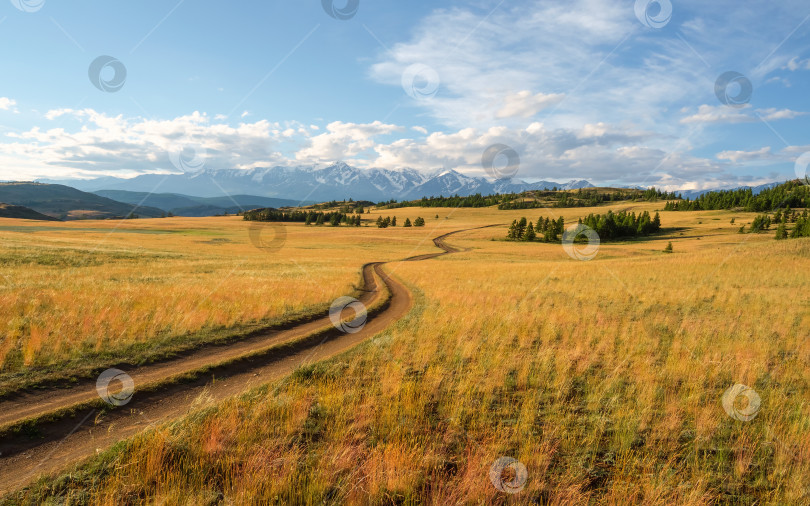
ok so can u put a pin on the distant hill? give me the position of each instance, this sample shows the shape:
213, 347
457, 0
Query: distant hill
186, 205
24, 213
59, 201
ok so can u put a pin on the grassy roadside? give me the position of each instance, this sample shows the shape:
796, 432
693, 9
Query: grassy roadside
66, 373
30, 427
76, 486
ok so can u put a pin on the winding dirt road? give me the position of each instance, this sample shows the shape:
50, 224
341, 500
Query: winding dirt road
78, 428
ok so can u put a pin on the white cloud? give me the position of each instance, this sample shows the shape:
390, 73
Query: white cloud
98, 144
744, 114
342, 141
526, 105
106, 145
773, 114
745, 156
7, 103
795, 64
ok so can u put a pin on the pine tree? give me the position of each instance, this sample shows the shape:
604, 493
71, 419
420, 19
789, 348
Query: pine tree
530, 235
512, 234
781, 232
394, 221
521, 228
407, 222
668, 249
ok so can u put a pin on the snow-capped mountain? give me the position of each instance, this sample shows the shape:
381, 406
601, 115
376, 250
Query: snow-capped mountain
337, 181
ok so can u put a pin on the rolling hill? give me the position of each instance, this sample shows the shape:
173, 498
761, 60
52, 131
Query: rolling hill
64, 202
186, 205
22, 212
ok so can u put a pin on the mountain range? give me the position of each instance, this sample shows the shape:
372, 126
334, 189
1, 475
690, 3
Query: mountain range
338, 181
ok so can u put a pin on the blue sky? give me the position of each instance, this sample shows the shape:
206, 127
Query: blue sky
610, 91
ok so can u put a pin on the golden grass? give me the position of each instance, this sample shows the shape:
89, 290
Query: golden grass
604, 378
70, 291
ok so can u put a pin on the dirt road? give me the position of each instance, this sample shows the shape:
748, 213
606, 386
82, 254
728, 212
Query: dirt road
219, 371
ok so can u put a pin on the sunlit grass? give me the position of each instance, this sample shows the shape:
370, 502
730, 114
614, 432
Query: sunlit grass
604, 378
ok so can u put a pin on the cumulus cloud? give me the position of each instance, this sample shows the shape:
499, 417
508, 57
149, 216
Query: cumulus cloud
343, 141
99, 144
114, 144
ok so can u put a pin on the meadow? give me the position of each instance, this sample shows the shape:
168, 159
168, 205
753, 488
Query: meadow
604, 379
77, 297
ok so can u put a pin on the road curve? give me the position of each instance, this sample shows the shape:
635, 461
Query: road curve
80, 428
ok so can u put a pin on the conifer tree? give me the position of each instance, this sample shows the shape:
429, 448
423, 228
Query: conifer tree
530, 235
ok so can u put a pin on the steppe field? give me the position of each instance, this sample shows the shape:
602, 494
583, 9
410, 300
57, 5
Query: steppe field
513, 372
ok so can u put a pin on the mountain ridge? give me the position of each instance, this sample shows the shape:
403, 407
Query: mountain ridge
336, 181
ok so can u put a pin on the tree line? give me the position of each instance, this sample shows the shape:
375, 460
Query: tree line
608, 226
782, 219
392, 222
307, 217
476, 200
789, 194
585, 197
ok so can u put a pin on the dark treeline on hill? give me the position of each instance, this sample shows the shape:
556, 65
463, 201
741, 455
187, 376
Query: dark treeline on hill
346, 207
585, 197
476, 200
307, 217
609, 226
790, 194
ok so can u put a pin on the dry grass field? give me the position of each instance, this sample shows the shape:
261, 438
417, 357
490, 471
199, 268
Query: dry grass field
80, 296
603, 379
